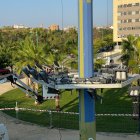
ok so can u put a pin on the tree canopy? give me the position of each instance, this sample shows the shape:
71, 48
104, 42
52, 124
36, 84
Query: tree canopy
19, 47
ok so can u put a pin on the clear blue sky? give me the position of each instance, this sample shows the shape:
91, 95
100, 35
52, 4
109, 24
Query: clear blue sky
36, 12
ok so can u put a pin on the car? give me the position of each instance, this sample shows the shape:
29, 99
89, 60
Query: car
105, 49
4, 71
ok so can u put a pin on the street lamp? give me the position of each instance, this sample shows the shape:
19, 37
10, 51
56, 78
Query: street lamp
135, 94
121, 73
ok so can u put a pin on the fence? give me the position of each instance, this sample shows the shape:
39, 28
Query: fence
105, 122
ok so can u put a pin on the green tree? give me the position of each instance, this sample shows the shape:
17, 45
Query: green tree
5, 56
98, 63
136, 60
29, 53
128, 50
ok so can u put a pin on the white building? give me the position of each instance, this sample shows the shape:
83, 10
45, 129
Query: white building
15, 26
67, 29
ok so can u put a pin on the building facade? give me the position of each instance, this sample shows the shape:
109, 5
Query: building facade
126, 19
15, 26
54, 27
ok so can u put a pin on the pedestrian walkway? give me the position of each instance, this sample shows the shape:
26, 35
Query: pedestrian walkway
19, 130
5, 87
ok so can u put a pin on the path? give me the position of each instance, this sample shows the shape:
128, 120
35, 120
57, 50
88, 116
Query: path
5, 87
19, 130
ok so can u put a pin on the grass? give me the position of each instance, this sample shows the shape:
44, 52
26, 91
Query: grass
114, 101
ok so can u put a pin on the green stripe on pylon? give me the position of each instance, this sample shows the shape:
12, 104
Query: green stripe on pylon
91, 133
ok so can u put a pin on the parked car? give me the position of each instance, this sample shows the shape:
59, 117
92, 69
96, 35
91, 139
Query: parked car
105, 49
4, 71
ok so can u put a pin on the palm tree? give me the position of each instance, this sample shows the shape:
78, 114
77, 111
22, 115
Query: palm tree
137, 54
29, 54
5, 55
128, 50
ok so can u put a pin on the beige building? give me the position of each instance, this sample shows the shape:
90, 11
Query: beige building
54, 27
126, 19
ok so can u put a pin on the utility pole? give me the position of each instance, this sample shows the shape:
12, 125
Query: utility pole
86, 102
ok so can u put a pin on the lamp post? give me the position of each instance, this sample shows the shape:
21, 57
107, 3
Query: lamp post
121, 73
135, 94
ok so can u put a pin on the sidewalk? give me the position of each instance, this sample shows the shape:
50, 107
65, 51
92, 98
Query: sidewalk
19, 130
5, 87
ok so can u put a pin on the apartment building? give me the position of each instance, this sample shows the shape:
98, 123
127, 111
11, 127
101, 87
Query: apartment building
126, 19
54, 27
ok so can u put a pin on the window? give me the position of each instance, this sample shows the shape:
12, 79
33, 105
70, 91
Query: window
129, 5
129, 13
129, 28
119, 6
125, 13
125, 5
137, 12
125, 21
129, 20
124, 28
136, 4
136, 20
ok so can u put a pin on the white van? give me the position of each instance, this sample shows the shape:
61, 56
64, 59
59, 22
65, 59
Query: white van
3, 132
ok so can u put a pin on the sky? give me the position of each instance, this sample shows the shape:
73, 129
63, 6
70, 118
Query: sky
34, 13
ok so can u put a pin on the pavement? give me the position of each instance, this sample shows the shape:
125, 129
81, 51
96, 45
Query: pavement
5, 87
20, 130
